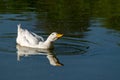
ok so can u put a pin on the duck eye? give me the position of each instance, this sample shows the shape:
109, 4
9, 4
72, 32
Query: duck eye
53, 33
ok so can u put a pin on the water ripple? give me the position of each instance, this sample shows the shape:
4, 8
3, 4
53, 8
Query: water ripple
64, 46
7, 42
71, 46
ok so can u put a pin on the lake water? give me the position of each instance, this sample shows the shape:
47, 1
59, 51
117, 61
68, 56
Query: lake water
89, 49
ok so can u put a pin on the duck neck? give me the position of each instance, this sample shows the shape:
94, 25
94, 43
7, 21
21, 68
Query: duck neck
49, 44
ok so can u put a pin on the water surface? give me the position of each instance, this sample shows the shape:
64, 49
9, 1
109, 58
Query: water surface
89, 49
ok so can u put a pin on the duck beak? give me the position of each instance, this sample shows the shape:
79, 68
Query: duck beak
59, 35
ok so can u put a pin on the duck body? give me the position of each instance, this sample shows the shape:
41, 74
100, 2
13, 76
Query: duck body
30, 39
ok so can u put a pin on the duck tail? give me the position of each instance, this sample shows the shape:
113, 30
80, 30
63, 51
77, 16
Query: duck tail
19, 28
19, 32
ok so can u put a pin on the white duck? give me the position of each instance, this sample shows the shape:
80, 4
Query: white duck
30, 39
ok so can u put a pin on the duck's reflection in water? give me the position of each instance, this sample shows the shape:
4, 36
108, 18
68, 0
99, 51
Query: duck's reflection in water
25, 51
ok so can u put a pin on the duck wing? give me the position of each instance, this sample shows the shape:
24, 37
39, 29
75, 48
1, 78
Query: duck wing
40, 38
27, 37
32, 38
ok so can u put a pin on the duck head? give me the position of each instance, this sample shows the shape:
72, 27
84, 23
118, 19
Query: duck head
54, 36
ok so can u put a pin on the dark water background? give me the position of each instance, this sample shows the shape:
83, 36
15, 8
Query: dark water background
89, 49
